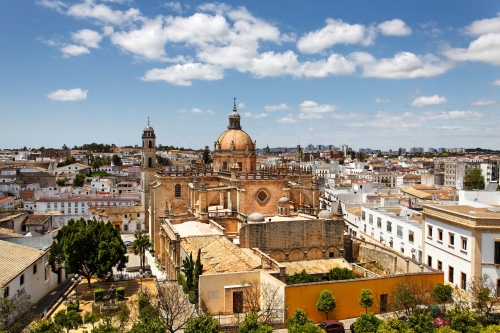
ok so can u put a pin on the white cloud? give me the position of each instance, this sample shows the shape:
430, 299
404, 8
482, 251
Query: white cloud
313, 110
404, 65
430, 29
496, 83
74, 50
53, 4
249, 114
485, 102
484, 26
174, 6
288, 119
271, 108
468, 115
196, 110
394, 27
68, 95
148, 41
241, 105
103, 14
424, 101
336, 32
486, 49
382, 100
183, 74
210, 112
86, 37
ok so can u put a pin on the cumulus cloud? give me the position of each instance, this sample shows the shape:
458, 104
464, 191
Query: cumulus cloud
68, 95
336, 32
103, 14
74, 50
394, 27
404, 65
485, 49
485, 102
288, 119
87, 37
251, 115
447, 115
174, 6
430, 29
424, 101
271, 108
183, 74
496, 83
484, 26
313, 110
382, 100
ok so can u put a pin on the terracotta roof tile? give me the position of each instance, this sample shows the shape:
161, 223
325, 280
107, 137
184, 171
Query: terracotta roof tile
14, 259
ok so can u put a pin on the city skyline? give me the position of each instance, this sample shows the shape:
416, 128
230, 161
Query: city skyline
404, 74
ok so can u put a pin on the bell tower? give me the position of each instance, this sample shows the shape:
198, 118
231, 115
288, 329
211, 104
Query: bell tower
148, 158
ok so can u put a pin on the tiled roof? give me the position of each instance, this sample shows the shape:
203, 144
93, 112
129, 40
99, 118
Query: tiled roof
37, 219
14, 259
10, 217
218, 254
7, 233
6, 199
315, 266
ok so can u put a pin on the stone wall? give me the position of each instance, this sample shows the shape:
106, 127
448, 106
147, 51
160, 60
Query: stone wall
295, 240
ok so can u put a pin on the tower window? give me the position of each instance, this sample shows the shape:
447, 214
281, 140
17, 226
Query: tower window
177, 190
150, 144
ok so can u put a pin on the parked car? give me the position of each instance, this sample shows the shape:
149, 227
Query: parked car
352, 327
127, 243
439, 321
332, 326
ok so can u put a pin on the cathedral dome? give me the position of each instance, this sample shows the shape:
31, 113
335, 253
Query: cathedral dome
283, 200
325, 214
239, 139
255, 217
148, 129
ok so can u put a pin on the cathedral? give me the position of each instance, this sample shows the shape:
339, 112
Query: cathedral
231, 191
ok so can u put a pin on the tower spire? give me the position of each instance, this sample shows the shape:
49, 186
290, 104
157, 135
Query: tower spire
234, 105
148, 120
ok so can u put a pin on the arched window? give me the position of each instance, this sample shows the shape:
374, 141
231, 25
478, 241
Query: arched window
150, 144
150, 163
178, 190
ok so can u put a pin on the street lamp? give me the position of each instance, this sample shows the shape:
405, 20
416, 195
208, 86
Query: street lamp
76, 279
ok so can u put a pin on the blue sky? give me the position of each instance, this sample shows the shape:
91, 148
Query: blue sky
377, 74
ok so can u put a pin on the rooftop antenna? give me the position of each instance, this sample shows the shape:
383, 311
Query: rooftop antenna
148, 120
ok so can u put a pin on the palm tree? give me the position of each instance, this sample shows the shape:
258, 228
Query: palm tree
140, 245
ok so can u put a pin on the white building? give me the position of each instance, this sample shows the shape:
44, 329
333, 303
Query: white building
463, 241
7, 203
23, 267
69, 171
399, 228
100, 185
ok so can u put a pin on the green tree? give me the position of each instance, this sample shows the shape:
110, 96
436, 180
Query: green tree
299, 323
483, 294
16, 312
407, 295
45, 325
164, 161
394, 325
197, 271
88, 248
421, 321
326, 302
105, 328
205, 323
367, 323
297, 278
491, 329
474, 180
70, 320
206, 156
149, 325
116, 160
338, 273
366, 299
61, 181
90, 318
79, 180
442, 294
188, 269
252, 325
140, 245
463, 320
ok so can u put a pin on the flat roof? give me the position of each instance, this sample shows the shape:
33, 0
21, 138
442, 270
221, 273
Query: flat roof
193, 228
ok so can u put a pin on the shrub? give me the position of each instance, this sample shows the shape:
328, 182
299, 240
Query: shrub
98, 295
75, 305
120, 293
192, 297
341, 274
